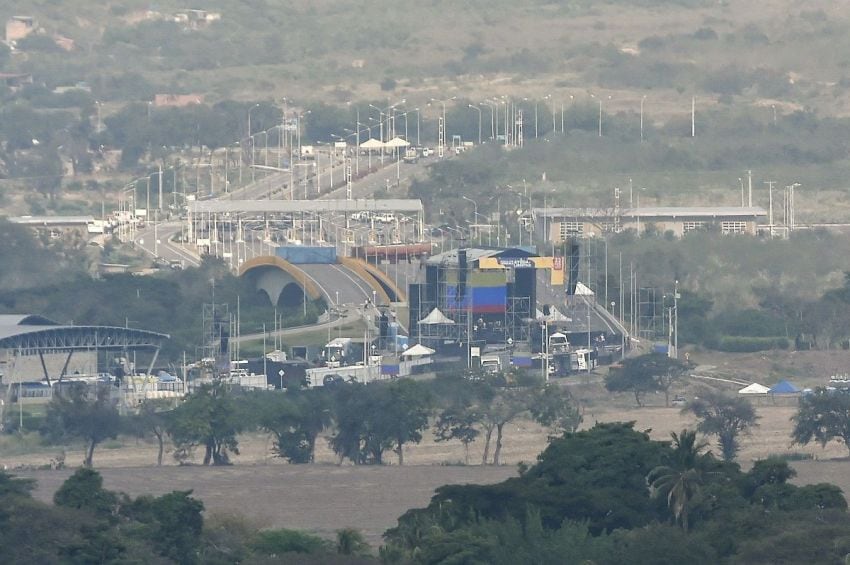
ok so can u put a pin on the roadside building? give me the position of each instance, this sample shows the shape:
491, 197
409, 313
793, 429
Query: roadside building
562, 224
57, 226
177, 100
18, 27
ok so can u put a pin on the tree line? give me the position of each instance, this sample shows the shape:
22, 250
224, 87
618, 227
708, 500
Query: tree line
362, 423
365, 423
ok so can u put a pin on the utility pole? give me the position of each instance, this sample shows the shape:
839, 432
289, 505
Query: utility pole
676, 320
693, 116
159, 181
770, 184
750, 185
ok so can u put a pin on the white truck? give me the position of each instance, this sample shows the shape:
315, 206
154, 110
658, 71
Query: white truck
491, 364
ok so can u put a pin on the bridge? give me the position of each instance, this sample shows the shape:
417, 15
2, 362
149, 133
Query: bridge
252, 235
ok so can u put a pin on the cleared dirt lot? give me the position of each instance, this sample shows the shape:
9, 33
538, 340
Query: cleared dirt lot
319, 498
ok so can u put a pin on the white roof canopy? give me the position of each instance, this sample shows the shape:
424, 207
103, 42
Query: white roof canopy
396, 142
436, 317
754, 388
372, 143
555, 315
583, 290
418, 350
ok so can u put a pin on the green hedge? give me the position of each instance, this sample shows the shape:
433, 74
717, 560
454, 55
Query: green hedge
746, 344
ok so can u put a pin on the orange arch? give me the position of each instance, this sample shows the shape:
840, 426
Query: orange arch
300, 277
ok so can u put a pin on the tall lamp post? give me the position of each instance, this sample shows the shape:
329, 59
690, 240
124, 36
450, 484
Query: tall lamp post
676, 320
251, 109
492, 117
474, 203
441, 135
474, 107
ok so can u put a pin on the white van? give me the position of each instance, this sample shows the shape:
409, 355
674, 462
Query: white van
491, 364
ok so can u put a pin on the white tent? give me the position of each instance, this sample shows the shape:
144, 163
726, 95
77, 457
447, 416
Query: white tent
583, 290
435, 317
396, 142
555, 315
372, 144
754, 388
418, 350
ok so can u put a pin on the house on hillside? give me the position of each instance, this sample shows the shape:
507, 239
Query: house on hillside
196, 19
14, 81
177, 100
18, 27
64, 43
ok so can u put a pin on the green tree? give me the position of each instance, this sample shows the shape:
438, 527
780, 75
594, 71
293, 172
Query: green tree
13, 486
823, 416
206, 418
647, 373
173, 523
373, 418
295, 418
404, 415
84, 491
724, 417
152, 419
75, 415
554, 407
458, 422
503, 407
351, 542
277, 542
680, 481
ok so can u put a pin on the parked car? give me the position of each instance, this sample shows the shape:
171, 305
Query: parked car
385, 218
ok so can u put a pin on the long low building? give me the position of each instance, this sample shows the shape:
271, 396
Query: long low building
561, 224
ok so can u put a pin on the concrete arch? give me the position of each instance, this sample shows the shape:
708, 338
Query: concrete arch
273, 274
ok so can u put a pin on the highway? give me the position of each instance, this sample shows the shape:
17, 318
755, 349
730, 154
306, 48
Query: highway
343, 290
338, 282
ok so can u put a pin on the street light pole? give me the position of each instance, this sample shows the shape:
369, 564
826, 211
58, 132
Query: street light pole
474, 107
600, 117
474, 203
251, 109
676, 320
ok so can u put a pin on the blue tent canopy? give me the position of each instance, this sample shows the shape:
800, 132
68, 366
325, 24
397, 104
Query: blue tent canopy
784, 387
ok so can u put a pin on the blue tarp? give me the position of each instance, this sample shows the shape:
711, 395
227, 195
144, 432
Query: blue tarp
784, 387
519, 361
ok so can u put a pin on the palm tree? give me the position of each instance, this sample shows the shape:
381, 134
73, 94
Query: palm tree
681, 481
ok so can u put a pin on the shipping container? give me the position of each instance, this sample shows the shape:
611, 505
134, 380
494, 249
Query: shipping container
303, 254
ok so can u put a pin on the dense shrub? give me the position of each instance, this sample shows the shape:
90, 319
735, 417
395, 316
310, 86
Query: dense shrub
745, 344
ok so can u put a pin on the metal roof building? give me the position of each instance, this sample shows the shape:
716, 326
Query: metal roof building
560, 224
30, 335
